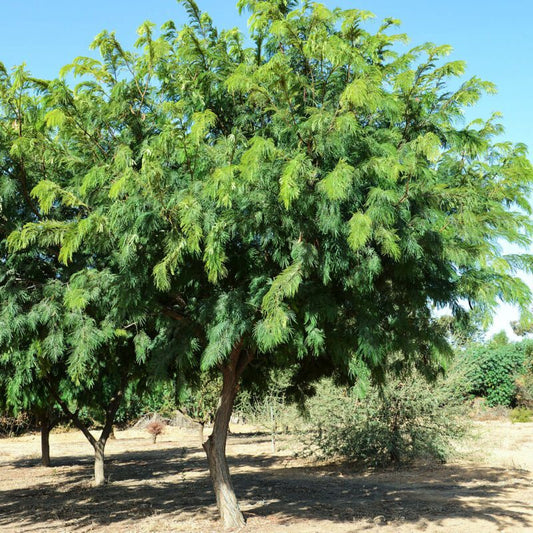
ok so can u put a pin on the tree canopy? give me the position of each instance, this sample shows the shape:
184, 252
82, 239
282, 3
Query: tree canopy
308, 200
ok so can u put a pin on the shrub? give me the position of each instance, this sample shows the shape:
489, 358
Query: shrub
199, 400
521, 414
524, 391
524, 383
155, 428
269, 407
12, 426
493, 370
406, 420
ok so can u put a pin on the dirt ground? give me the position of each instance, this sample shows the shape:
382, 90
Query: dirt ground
165, 487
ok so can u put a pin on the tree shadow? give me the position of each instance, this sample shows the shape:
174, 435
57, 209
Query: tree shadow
174, 482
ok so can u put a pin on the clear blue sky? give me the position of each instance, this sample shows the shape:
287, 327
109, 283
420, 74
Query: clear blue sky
494, 37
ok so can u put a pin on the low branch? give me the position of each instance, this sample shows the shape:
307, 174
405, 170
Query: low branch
72, 416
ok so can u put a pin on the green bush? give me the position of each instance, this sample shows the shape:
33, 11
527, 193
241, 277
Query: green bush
521, 414
494, 368
406, 420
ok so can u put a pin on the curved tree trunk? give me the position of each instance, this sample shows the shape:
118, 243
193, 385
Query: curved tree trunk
98, 445
215, 445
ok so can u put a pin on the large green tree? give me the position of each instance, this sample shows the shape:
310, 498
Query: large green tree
309, 200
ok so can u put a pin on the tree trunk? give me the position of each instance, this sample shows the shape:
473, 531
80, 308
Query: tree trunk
99, 477
98, 445
215, 445
45, 442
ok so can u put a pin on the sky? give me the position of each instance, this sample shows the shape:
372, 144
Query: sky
492, 36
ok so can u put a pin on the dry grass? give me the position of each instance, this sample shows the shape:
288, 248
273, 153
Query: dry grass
165, 487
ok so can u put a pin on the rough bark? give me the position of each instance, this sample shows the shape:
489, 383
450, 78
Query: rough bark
47, 421
215, 445
99, 473
45, 442
99, 445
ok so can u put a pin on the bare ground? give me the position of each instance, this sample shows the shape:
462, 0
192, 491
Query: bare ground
165, 487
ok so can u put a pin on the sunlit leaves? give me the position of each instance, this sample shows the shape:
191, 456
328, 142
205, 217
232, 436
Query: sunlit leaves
260, 152
336, 185
214, 254
163, 270
359, 230
47, 192
292, 179
55, 118
275, 326
201, 122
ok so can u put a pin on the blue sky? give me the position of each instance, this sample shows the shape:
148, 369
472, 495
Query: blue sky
493, 37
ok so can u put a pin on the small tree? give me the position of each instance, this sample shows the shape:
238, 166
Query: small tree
200, 400
155, 428
63, 342
268, 404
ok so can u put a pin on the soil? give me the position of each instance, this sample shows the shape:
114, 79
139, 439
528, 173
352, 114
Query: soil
165, 487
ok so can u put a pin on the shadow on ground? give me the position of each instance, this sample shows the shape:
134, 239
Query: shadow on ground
175, 481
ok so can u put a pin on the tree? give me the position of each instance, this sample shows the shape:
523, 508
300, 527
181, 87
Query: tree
35, 400
307, 201
63, 342
21, 276
199, 399
58, 354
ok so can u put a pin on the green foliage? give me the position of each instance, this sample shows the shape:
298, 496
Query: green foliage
408, 419
494, 368
306, 196
521, 414
140, 400
194, 164
269, 407
200, 399
499, 339
524, 383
